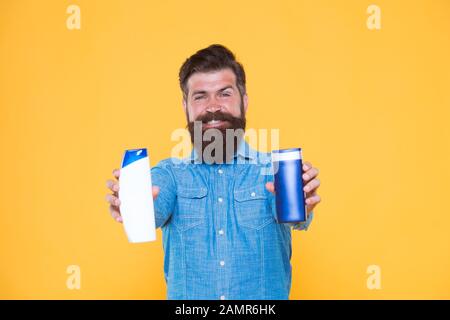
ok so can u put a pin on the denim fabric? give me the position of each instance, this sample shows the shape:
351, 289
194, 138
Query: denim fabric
221, 239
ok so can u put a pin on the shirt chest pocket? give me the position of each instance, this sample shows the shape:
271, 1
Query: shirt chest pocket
251, 206
191, 207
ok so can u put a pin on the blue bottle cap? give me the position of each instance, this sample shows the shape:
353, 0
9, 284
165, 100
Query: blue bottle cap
133, 155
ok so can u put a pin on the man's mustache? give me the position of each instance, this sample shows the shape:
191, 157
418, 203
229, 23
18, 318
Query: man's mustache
219, 116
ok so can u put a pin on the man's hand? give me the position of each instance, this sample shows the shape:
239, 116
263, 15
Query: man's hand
310, 182
113, 199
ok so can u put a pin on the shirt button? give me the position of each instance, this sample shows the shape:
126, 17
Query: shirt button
253, 194
222, 263
220, 171
220, 199
222, 297
221, 231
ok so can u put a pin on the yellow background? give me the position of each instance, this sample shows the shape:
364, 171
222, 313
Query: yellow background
370, 108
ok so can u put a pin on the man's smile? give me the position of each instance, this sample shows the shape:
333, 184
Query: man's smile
215, 124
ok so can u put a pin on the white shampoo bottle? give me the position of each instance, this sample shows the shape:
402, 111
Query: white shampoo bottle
135, 194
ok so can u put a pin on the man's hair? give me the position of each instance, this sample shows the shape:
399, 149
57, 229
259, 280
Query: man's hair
213, 58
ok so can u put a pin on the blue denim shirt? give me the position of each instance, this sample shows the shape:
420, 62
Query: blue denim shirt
221, 239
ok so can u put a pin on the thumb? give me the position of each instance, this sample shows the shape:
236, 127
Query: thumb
270, 187
155, 192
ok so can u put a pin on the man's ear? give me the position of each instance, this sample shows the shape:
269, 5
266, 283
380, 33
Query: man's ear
185, 108
245, 97
184, 105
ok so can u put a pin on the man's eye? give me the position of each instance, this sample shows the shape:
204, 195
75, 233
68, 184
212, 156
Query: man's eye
226, 94
198, 97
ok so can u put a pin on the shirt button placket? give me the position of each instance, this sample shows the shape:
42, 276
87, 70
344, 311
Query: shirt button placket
221, 221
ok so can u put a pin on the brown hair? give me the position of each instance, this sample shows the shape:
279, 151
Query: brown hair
213, 58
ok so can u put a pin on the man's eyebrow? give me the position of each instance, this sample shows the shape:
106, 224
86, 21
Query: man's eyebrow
198, 91
227, 87
203, 91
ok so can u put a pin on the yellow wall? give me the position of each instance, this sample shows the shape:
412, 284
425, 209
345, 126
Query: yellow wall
369, 107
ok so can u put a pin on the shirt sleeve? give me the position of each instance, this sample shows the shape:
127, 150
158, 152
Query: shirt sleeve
164, 203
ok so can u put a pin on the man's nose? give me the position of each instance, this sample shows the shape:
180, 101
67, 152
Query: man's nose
214, 107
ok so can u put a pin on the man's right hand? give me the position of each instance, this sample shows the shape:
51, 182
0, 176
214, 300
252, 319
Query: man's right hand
113, 199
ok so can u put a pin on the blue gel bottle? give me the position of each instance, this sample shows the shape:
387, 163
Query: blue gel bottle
289, 194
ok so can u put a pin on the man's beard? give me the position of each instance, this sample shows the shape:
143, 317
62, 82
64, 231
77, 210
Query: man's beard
228, 136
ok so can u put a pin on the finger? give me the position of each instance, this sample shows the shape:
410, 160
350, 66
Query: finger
116, 173
155, 191
112, 185
312, 185
115, 213
313, 200
310, 174
306, 165
113, 200
270, 187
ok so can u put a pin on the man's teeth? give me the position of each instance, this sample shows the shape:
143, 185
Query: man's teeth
213, 121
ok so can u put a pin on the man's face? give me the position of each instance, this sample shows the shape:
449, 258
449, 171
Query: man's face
214, 102
213, 92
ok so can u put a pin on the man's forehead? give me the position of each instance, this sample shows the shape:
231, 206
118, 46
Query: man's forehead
211, 81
